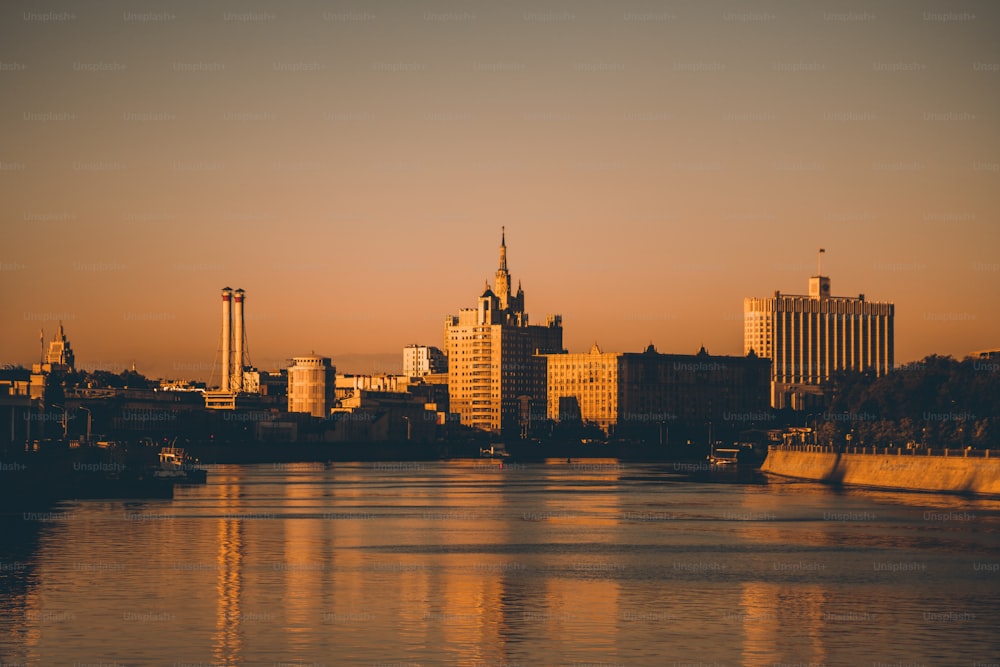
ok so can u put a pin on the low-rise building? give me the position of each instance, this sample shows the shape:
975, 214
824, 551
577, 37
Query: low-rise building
622, 389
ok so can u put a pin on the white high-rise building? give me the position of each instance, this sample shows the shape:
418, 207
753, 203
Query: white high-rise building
810, 337
420, 360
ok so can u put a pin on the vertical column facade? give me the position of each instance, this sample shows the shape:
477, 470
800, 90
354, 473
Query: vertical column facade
809, 338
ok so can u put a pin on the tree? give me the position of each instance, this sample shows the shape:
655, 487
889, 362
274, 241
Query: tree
938, 400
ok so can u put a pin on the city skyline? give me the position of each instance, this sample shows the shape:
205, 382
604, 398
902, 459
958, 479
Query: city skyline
351, 167
357, 362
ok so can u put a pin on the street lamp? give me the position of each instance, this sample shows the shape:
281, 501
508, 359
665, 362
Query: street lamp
65, 424
89, 417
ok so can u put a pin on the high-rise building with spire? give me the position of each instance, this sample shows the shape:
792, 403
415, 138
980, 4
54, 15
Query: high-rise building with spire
58, 358
494, 375
60, 354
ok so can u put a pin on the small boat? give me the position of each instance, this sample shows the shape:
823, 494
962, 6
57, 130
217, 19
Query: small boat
740, 454
496, 450
722, 456
175, 465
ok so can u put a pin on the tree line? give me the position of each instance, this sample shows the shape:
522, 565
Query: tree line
937, 402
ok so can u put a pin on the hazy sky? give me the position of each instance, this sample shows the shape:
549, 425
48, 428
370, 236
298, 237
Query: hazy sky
350, 165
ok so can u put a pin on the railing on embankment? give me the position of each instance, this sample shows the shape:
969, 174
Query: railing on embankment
967, 452
938, 470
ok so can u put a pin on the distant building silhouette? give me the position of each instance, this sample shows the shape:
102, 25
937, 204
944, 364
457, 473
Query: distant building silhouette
493, 374
810, 337
58, 358
60, 353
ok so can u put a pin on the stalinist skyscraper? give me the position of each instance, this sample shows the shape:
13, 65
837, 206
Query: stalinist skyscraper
494, 377
810, 337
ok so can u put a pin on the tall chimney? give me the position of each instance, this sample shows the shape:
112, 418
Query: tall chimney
237, 384
227, 294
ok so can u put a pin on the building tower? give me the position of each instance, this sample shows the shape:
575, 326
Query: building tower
502, 281
58, 358
60, 355
312, 384
492, 362
810, 337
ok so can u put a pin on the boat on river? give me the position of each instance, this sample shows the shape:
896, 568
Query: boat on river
178, 467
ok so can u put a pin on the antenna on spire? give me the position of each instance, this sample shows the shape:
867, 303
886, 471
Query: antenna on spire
819, 261
503, 235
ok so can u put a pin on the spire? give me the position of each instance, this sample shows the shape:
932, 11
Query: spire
501, 284
503, 249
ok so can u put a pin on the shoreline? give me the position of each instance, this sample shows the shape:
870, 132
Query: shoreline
961, 472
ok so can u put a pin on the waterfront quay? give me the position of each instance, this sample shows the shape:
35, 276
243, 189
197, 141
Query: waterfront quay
964, 471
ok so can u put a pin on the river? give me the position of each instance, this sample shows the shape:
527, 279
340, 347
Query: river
482, 564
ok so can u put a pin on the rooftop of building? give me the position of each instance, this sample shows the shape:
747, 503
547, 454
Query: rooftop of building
651, 351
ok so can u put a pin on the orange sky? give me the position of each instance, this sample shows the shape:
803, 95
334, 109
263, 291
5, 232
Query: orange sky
350, 166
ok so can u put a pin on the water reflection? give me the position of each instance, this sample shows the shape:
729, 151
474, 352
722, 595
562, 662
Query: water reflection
18, 542
768, 613
471, 563
227, 641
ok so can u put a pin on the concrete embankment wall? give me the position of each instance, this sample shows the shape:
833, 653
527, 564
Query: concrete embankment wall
945, 474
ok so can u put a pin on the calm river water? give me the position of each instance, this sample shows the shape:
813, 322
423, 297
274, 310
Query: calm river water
468, 563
